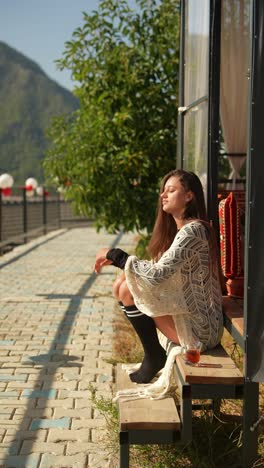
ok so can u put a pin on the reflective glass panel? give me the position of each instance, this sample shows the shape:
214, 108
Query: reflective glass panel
196, 50
195, 141
196, 87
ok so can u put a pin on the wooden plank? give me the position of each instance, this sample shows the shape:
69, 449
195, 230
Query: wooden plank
149, 414
215, 367
233, 309
122, 378
145, 413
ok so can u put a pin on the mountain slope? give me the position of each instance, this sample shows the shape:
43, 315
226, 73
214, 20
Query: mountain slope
28, 102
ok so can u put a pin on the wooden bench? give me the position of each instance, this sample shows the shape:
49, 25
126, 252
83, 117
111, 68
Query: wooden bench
144, 421
217, 375
214, 378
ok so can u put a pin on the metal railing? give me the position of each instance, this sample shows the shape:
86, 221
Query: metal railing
23, 218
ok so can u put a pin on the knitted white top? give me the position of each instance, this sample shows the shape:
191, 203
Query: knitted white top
184, 283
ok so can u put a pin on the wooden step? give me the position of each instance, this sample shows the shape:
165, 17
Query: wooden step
145, 413
215, 367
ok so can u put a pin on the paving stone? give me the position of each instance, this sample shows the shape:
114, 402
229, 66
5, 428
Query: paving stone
50, 461
65, 385
8, 377
64, 403
22, 369
99, 435
24, 435
51, 393
84, 394
15, 424
81, 447
16, 403
57, 435
21, 461
87, 423
62, 423
101, 460
34, 412
72, 413
7, 449
41, 447
22, 385
8, 395
5, 411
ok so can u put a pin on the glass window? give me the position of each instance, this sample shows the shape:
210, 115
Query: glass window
196, 50
195, 140
196, 59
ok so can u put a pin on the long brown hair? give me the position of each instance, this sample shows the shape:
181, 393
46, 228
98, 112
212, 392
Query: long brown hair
165, 227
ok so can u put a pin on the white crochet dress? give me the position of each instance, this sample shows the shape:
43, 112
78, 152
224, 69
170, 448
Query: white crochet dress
184, 283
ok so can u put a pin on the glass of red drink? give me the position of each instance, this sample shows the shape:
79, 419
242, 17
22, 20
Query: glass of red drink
192, 352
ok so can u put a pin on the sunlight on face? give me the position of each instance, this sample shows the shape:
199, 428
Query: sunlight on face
174, 197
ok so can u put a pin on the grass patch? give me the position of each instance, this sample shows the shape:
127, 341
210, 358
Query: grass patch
217, 436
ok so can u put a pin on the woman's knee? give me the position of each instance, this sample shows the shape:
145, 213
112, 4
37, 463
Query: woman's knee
125, 295
116, 286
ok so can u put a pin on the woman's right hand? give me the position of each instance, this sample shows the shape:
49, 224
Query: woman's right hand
101, 260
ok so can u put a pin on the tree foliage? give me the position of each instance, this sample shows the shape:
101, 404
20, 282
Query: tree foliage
111, 153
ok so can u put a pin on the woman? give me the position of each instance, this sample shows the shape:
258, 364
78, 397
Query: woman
179, 291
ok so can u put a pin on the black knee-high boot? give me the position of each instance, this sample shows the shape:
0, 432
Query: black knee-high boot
155, 355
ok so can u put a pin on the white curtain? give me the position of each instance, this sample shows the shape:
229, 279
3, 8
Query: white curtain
234, 82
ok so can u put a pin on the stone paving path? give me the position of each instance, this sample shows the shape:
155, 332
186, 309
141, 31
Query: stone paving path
55, 339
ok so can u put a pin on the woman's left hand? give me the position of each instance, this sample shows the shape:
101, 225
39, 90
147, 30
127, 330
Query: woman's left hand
101, 260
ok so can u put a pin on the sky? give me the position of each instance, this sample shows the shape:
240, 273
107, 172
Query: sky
40, 28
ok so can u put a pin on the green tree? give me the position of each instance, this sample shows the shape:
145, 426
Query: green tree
111, 153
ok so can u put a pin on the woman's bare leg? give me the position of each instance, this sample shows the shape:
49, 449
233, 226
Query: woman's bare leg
166, 325
125, 295
116, 286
